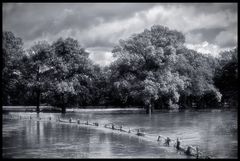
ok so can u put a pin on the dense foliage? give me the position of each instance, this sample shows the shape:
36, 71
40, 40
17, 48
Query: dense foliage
226, 77
152, 69
12, 53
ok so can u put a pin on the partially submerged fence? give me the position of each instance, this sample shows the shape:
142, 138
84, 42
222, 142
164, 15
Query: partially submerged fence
188, 150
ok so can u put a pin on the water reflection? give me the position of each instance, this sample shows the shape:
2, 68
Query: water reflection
30, 139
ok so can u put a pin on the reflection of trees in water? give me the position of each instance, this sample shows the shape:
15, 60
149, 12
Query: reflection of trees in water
99, 144
207, 137
87, 142
227, 128
128, 145
47, 132
38, 132
70, 137
102, 138
217, 134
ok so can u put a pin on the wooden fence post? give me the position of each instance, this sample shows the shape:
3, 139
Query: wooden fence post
197, 152
188, 151
178, 144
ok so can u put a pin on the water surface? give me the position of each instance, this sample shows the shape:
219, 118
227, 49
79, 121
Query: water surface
215, 133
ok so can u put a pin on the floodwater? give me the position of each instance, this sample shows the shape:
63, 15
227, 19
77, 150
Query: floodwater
215, 132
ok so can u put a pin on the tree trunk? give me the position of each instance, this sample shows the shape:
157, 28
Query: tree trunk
190, 101
162, 104
152, 107
38, 101
185, 102
8, 100
38, 92
63, 109
63, 104
149, 109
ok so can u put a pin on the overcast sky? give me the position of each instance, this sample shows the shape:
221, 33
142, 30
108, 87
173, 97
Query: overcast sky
208, 27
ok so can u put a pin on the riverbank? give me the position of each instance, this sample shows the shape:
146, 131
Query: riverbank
51, 109
104, 109
29, 109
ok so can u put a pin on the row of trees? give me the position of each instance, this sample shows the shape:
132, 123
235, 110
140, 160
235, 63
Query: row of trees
152, 69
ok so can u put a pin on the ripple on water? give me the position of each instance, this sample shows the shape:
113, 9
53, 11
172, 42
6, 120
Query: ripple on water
71, 141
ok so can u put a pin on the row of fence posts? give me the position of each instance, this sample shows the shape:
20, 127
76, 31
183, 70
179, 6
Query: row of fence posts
167, 140
187, 152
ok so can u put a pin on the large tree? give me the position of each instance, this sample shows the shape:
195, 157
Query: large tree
143, 69
199, 69
12, 53
37, 66
154, 67
70, 74
226, 76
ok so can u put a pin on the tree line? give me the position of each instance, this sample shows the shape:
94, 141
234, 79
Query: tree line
152, 69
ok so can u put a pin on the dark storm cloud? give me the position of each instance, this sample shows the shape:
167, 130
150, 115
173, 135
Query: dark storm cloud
208, 27
53, 18
207, 34
223, 36
213, 7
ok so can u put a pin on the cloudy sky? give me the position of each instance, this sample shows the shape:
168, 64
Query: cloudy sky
208, 27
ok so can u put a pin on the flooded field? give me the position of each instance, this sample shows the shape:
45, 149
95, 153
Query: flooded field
214, 131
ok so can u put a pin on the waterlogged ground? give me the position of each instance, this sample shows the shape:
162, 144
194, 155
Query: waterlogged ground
215, 132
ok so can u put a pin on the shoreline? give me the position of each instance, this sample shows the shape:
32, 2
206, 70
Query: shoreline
51, 109
105, 109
